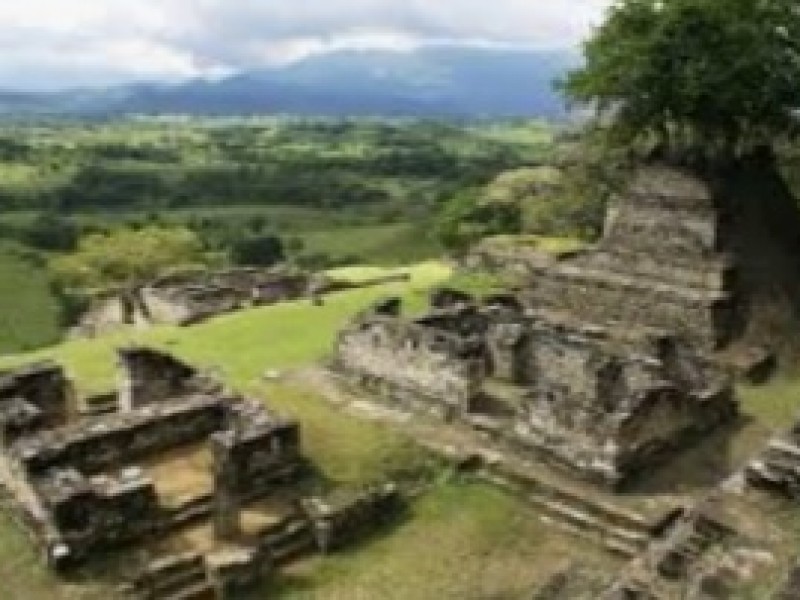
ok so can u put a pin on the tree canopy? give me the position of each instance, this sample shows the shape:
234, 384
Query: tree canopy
127, 257
717, 75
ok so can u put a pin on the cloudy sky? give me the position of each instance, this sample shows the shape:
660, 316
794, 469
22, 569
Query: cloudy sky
48, 44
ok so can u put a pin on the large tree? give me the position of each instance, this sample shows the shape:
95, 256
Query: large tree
127, 258
714, 86
722, 76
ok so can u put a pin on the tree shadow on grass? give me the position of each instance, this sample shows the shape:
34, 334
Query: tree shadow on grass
704, 464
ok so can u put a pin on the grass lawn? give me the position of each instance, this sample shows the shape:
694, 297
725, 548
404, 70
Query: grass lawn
377, 244
244, 344
461, 541
29, 312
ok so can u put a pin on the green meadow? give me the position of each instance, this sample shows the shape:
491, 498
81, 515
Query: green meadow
30, 313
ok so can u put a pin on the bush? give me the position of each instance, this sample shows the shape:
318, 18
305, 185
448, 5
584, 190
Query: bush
52, 233
261, 251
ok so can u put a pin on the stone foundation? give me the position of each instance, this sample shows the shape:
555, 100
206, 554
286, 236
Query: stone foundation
603, 403
603, 362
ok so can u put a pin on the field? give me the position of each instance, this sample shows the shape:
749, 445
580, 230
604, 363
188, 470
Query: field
30, 314
486, 543
334, 192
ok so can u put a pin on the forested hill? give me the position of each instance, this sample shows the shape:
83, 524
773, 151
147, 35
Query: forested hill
429, 82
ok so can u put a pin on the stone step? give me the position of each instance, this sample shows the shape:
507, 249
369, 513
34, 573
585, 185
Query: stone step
292, 549
197, 508
781, 467
785, 449
201, 591
619, 531
179, 580
288, 540
574, 275
613, 516
709, 274
615, 547
625, 541
621, 549
171, 575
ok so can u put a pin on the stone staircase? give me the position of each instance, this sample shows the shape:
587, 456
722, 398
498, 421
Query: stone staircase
778, 467
619, 531
176, 577
288, 539
689, 540
675, 563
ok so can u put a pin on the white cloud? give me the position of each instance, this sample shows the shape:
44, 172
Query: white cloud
53, 43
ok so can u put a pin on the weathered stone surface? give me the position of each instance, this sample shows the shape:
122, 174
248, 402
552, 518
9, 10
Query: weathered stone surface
344, 516
791, 587
149, 377
187, 298
31, 398
96, 444
238, 570
416, 362
603, 362
612, 406
79, 485
90, 514
255, 450
601, 401
777, 468
178, 575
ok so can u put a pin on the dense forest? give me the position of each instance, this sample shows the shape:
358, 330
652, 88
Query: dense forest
173, 163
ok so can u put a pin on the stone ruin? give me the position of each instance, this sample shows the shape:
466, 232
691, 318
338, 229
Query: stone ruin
201, 482
598, 366
603, 361
603, 402
189, 298
186, 298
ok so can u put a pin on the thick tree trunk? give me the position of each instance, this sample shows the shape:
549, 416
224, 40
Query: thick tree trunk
761, 231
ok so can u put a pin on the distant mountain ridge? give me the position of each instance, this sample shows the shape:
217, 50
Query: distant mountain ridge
428, 82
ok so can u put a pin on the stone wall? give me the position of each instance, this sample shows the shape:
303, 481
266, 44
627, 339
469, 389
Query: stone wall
663, 262
91, 514
148, 376
97, 444
417, 362
72, 478
31, 398
607, 408
345, 516
602, 296
603, 401
255, 451
189, 304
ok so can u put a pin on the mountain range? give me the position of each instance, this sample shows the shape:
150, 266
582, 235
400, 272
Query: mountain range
454, 82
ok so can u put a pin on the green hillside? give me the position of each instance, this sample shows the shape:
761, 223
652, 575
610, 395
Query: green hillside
30, 314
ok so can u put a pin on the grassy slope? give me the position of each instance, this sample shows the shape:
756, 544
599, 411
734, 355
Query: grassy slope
29, 312
243, 344
462, 540
380, 244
